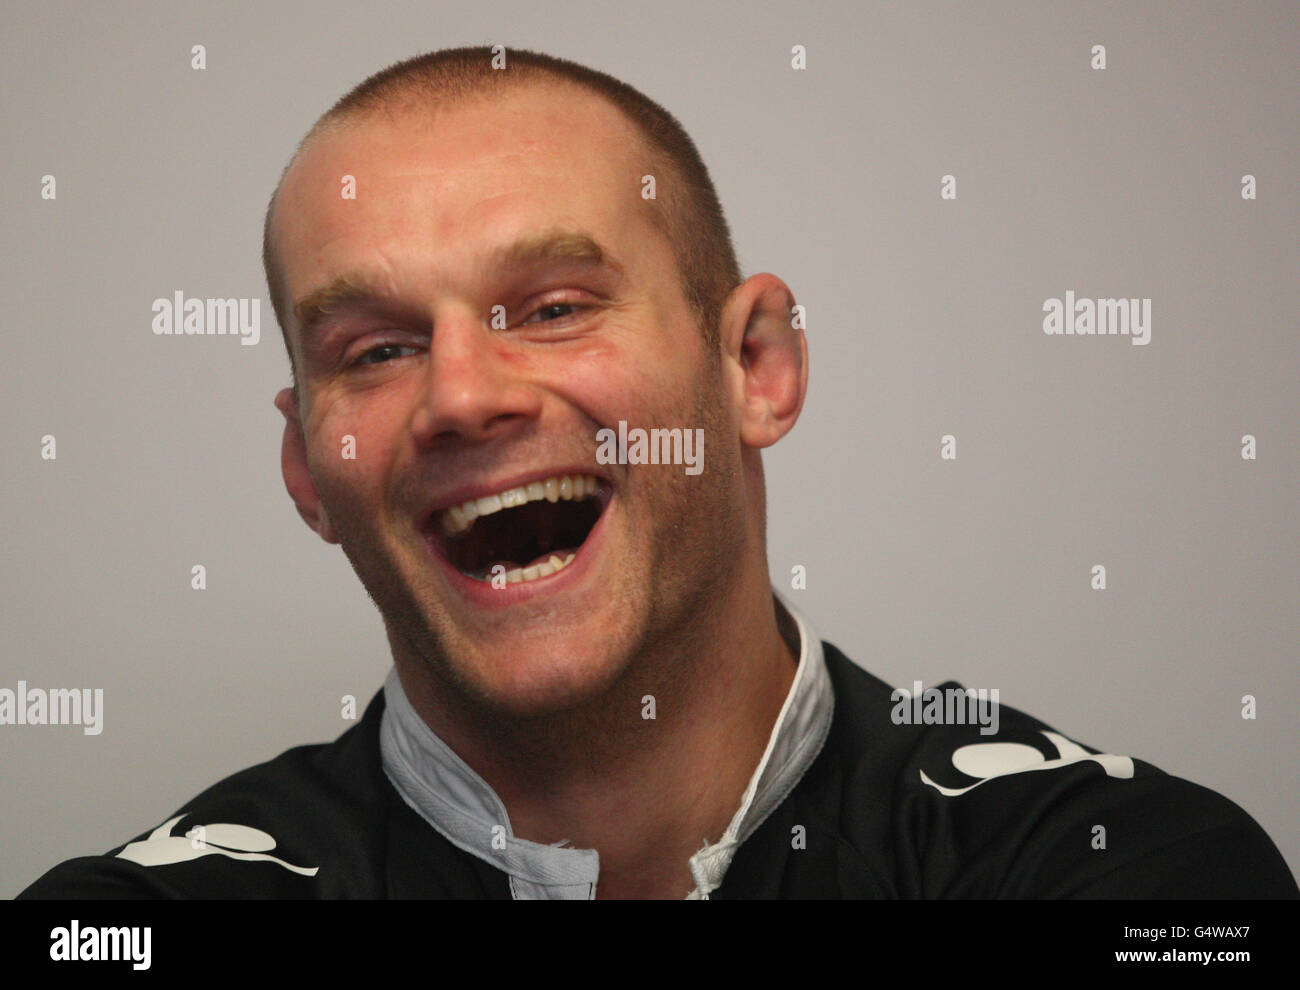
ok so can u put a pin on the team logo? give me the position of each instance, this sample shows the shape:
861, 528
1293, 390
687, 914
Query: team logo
988, 761
232, 841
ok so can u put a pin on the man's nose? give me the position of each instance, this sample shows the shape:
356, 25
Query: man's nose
472, 391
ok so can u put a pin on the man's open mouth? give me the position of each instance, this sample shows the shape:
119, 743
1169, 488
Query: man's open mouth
531, 531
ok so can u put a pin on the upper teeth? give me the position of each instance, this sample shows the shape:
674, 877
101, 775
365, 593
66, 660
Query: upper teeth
461, 517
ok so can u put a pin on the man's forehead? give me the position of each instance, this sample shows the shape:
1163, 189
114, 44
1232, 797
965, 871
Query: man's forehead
537, 156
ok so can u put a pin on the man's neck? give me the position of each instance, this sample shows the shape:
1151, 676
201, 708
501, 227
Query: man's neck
646, 796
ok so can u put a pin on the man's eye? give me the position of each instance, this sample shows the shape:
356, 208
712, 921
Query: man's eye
383, 353
552, 311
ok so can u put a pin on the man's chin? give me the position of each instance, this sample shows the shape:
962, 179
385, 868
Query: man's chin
535, 681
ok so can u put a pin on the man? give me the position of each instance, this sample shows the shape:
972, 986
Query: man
487, 267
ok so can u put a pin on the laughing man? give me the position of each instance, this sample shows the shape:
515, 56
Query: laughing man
482, 262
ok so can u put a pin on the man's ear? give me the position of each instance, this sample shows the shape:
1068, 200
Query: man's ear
767, 356
293, 465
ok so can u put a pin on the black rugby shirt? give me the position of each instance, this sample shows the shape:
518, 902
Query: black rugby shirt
846, 803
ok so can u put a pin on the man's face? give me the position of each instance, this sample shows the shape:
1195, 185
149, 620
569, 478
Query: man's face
442, 407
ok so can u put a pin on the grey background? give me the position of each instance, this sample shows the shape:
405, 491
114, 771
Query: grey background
925, 319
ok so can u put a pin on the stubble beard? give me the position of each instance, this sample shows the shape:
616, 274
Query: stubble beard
687, 569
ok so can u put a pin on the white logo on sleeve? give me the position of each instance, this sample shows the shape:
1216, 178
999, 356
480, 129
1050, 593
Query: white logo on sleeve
991, 760
232, 841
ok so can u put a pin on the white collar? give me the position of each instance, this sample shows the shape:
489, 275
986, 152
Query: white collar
459, 804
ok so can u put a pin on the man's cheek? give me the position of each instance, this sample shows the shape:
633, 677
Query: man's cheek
339, 471
622, 383
341, 441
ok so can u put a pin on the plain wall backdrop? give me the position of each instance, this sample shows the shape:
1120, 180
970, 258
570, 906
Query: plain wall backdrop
924, 319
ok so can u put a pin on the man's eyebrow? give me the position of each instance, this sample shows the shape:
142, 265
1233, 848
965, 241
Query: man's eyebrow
551, 246
530, 251
353, 287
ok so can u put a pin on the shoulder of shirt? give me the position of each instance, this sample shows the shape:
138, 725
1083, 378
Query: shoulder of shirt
301, 825
948, 810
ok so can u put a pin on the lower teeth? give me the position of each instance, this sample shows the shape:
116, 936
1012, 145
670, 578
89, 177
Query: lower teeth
518, 574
